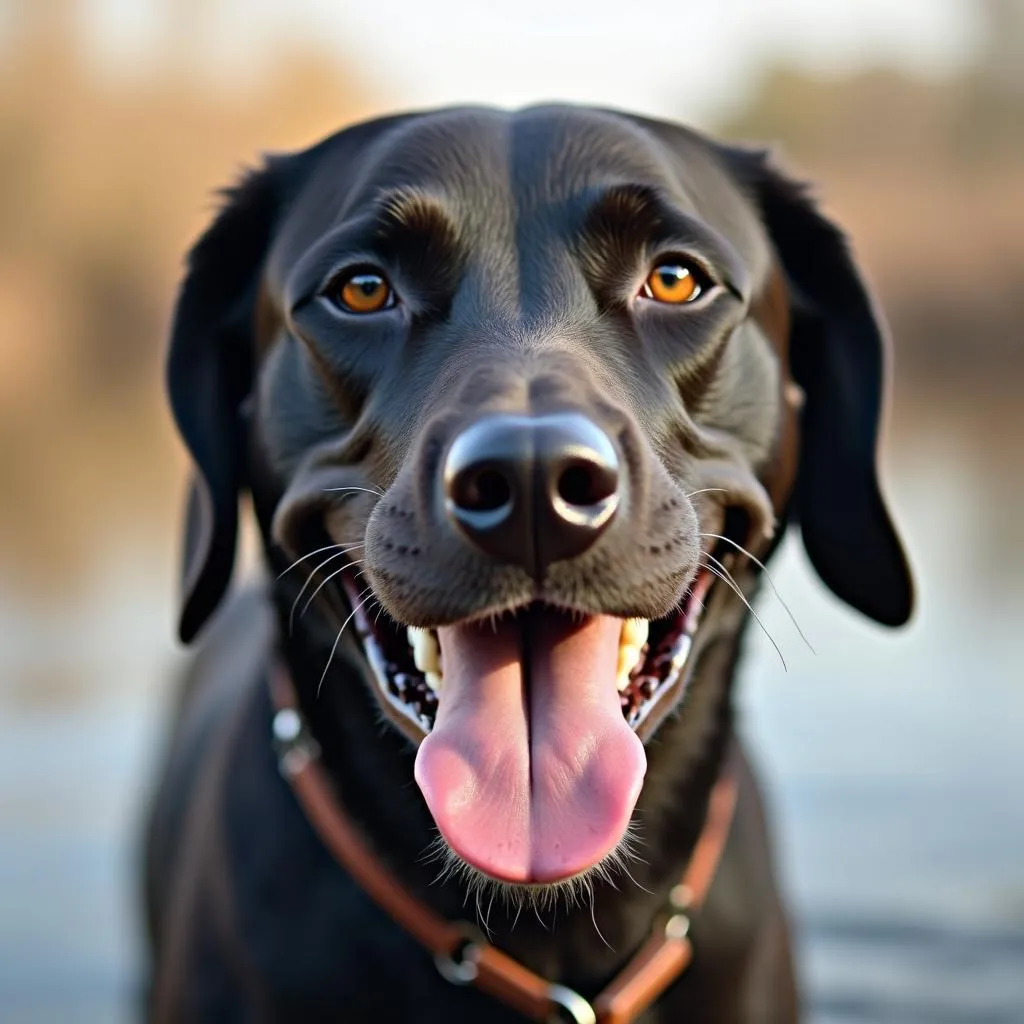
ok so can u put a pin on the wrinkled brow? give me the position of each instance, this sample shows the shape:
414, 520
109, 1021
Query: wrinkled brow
634, 213
408, 228
624, 221
411, 210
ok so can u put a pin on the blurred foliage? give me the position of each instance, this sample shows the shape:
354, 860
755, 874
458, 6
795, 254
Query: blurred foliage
104, 181
881, 116
103, 184
928, 180
928, 177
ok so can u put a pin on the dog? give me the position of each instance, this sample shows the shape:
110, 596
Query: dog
521, 403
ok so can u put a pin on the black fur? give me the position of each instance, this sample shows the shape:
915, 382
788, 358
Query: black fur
515, 297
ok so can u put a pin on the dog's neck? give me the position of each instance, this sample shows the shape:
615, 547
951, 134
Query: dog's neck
594, 937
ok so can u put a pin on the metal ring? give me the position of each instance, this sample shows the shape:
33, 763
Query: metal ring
681, 897
293, 742
577, 1009
460, 965
287, 725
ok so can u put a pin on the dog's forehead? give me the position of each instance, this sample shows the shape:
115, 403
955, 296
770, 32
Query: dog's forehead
538, 155
492, 165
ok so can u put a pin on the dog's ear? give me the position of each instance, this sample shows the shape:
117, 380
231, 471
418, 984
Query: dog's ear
209, 375
838, 355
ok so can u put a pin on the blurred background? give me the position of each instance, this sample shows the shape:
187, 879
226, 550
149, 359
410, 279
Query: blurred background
894, 762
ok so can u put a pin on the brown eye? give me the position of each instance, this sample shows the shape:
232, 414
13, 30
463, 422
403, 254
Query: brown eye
362, 292
673, 283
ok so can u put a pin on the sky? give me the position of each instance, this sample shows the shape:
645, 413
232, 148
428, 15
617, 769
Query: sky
695, 58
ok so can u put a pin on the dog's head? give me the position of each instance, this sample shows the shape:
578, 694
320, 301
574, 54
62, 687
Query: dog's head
525, 380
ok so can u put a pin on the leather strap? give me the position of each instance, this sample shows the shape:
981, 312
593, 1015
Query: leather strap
462, 954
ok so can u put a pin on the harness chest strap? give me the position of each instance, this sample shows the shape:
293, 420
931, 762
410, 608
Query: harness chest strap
462, 954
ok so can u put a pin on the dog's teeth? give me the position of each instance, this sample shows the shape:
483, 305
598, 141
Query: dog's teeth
425, 651
634, 636
434, 681
629, 658
634, 632
681, 651
631, 642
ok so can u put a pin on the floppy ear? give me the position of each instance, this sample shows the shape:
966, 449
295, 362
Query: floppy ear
209, 374
838, 355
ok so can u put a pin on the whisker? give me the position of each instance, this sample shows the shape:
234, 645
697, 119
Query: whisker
303, 558
309, 579
577, 893
536, 914
432, 852
726, 577
771, 582
593, 914
490, 903
367, 490
330, 657
624, 868
630, 842
480, 914
323, 583
706, 490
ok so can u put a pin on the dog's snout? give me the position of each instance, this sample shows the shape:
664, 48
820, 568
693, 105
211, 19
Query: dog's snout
532, 489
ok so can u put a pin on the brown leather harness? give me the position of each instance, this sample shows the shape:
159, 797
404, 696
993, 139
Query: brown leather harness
463, 956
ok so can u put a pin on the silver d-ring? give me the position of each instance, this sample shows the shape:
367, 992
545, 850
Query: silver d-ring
577, 1009
460, 965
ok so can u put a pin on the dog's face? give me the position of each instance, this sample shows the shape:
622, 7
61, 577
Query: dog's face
525, 380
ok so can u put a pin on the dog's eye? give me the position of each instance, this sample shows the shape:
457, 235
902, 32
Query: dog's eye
675, 282
362, 292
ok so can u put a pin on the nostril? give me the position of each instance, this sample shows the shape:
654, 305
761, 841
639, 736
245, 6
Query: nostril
586, 484
575, 486
484, 490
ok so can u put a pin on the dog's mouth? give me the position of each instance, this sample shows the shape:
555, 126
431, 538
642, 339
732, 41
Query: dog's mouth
530, 726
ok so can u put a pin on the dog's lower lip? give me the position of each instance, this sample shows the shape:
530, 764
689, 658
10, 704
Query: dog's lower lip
411, 701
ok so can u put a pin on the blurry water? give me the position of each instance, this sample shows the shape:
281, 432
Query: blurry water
894, 762
896, 766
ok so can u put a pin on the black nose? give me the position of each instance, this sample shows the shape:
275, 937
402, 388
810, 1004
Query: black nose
532, 489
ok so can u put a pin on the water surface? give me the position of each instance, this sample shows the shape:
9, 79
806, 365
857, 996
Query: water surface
894, 764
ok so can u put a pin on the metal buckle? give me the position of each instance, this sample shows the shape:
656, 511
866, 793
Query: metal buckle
293, 742
572, 1007
678, 924
460, 965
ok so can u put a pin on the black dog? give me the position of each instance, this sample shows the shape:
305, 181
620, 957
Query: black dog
511, 379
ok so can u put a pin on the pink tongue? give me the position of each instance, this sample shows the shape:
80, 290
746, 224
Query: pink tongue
531, 783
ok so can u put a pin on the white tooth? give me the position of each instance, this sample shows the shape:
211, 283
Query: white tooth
634, 632
681, 651
434, 681
631, 642
415, 637
629, 658
425, 652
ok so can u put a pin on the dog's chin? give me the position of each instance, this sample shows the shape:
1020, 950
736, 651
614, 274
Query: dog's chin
529, 726
574, 890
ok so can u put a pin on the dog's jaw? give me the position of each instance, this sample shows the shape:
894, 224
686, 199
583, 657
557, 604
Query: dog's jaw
457, 763
409, 675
